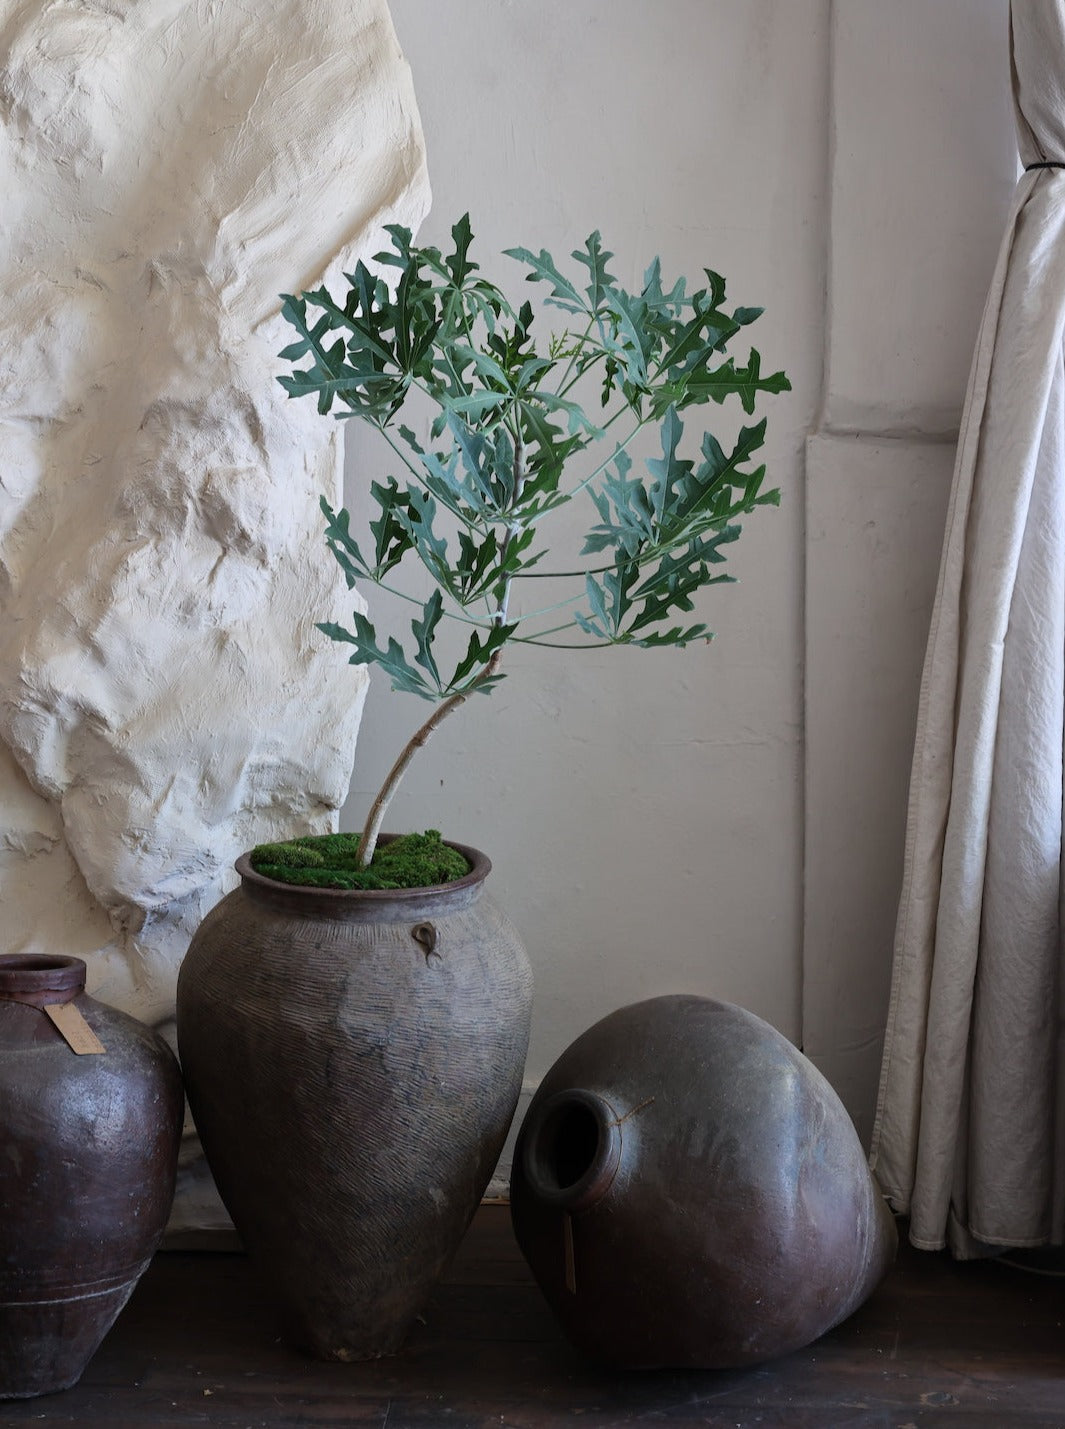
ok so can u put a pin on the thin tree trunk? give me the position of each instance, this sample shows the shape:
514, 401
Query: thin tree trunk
372, 830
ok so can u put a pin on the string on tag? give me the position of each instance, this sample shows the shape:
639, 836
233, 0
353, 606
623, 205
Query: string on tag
570, 1258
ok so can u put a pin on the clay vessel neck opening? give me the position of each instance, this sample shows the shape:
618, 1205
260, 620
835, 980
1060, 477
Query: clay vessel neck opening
572, 1150
368, 905
39, 979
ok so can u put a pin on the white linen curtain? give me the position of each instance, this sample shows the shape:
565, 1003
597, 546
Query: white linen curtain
969, 1134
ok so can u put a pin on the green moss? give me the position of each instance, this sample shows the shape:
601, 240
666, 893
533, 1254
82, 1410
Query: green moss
292, 855
330, 861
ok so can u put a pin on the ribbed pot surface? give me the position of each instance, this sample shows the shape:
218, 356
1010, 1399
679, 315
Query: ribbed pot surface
353, 1061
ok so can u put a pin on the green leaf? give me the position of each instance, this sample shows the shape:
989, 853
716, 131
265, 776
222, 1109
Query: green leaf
679, 574
595, 260
728, 379
424, 631
391, 528
627, 515
694, 343
635, 344
670, 303
457, 493
671, 474
553, 450
473, 448
439, 327
328, 374
476, 565
417, 519
478, 653
579, 421
541, 492
717, 287
597, 602
486, 366
342, 544
589, 626
563, 293
618, 584
366, 293
677, 635
331, 375
529, 372
502, 470
415, 320
707, 491
366, 331
459, 264
401, 241
474, 405
367, 652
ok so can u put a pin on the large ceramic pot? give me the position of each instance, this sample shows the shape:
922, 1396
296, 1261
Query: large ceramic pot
353, 1060
88, 1153
690, 1191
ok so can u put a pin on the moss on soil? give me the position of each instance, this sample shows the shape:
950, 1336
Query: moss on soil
330, 861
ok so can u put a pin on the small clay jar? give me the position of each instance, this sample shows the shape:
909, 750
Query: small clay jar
88, 1157
690, 1192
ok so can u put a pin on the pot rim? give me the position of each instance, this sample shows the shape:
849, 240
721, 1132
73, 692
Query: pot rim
600, 1163
41, 978
480, 867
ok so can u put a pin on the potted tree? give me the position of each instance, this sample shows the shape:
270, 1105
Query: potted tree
353, 1020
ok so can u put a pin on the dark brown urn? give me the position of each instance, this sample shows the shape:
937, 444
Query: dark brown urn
353, 1060
88, 1155
690, 1191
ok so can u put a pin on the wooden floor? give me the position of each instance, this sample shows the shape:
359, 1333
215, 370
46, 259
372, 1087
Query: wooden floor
957, 1346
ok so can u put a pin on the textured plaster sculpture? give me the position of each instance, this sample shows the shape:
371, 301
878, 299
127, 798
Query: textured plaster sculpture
166, 169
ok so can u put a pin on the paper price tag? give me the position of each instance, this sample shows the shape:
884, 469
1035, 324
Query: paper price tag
73, 1028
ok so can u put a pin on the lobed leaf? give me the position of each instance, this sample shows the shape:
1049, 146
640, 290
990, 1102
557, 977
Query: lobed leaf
424, 631
390, 529
478, 653
595, 260
367, 652
459, 265
342, 544
563, 293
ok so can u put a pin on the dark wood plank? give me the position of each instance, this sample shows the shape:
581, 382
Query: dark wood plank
974, 1346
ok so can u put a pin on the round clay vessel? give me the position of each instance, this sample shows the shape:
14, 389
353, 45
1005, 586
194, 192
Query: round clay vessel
88, 1156
353, 1060
690, 1192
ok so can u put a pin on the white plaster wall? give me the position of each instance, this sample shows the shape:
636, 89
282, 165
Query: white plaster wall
642, 809
923, 166
730, 821
847, 165
165, 171
923, 162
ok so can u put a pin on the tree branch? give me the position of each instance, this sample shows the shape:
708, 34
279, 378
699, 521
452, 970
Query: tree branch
372, 830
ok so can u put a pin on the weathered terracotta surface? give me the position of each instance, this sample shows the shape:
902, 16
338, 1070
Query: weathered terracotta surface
353, 1061
88, 1151
690, 1191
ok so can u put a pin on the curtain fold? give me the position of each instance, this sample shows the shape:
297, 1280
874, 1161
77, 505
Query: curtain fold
967, 1139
